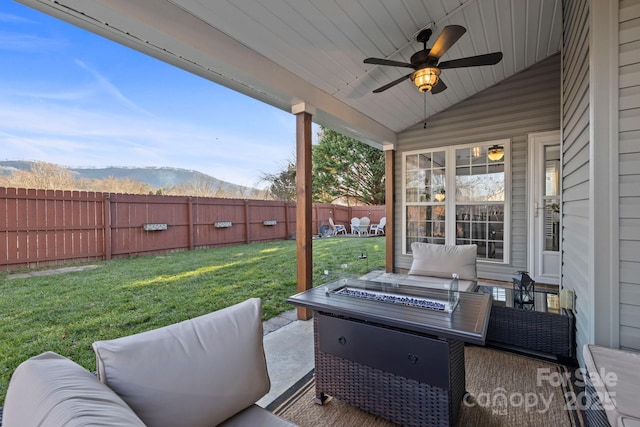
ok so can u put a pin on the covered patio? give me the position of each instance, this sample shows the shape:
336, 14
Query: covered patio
562, 104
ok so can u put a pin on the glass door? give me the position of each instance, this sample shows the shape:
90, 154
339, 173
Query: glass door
545, 203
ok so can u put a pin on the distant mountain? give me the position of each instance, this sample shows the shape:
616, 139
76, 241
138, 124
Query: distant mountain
8, 166
156, 177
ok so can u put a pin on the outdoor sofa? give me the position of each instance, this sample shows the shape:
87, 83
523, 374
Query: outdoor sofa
433, 266
202, 372
611, 387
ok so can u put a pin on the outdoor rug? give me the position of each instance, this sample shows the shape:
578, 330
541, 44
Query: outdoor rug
505, 389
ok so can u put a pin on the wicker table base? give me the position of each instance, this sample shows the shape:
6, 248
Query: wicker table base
406, 401
401, 362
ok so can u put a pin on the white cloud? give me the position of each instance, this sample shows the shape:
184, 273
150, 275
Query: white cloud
111, 89
14, 19
70, 95
28, 42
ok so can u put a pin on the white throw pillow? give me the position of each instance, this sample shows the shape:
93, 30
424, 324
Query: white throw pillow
196, 373
443, 260
52, 391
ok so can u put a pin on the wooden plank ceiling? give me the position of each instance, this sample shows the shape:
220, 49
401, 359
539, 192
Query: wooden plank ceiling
288, 51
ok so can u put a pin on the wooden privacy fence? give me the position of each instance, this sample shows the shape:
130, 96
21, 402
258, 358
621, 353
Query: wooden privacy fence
46, 227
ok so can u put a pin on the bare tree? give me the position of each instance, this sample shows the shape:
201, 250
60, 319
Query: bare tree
282, 185
44, 176
200, 187
111, 184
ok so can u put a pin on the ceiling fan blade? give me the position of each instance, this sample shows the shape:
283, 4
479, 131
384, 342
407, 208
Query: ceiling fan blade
449, 35
393, 83
439, 87
380, 61
472, 61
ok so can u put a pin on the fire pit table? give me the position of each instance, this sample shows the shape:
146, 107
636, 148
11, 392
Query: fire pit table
394, 350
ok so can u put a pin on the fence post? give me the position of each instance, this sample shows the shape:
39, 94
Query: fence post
190, 222
286, 220
246, 221
315, 215
106, 207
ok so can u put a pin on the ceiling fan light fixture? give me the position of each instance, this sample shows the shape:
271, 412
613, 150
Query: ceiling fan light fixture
425, 78
495, 153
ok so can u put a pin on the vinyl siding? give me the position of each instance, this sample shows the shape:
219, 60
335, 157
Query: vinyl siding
525, 103
629, 173
575, 163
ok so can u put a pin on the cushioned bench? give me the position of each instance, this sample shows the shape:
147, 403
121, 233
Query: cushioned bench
433, 266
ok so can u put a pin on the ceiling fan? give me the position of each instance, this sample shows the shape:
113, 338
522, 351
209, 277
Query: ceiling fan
426, 76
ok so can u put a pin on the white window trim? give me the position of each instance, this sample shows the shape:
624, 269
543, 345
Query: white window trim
450, 203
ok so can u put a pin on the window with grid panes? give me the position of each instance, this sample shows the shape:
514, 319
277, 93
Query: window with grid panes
480, 196
476, 213
424, 182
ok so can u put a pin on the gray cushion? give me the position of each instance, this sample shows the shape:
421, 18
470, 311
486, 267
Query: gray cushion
196, 373
443, 260
52, 391
615, 375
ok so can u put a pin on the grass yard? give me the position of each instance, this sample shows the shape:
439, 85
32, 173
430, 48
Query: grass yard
65, 313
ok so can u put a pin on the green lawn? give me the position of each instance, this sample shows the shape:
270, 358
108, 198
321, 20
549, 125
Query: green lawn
65, 313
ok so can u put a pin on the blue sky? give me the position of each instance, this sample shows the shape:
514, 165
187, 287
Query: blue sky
70, 97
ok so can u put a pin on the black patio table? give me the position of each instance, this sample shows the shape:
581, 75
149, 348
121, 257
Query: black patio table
402, 362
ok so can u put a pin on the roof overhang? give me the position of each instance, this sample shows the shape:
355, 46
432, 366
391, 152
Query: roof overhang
312, 52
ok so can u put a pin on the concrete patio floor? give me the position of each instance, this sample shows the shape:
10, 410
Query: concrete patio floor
288, 347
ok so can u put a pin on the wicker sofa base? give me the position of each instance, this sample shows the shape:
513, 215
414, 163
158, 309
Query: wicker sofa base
591, 406
404, 401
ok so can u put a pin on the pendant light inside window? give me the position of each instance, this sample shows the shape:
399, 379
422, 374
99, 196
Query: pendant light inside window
495, 153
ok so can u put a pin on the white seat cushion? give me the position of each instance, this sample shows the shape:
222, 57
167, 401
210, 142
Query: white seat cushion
52, 391
615, 375
443, 260
196, 373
